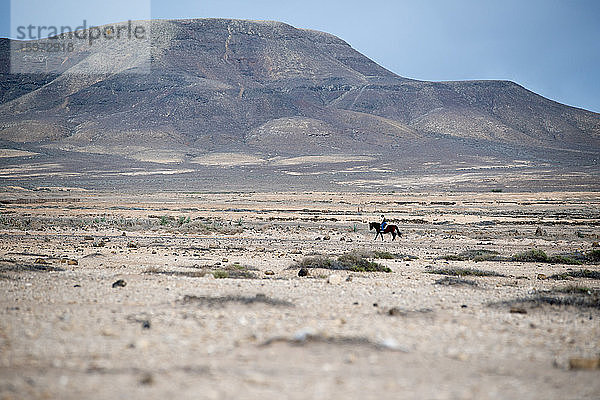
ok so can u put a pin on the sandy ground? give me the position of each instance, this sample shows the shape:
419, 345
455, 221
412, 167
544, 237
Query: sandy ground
258, 330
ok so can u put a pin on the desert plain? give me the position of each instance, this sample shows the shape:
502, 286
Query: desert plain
197, 295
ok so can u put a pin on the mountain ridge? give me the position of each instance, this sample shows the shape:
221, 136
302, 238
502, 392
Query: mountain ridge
268, 89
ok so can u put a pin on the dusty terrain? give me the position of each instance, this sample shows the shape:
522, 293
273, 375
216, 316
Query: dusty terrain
197, 295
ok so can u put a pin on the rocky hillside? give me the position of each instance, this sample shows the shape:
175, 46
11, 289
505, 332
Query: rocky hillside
267, 89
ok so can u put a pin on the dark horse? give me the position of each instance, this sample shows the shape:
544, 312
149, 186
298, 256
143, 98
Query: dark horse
393, 229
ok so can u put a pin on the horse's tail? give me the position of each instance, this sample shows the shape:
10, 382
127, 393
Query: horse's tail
398, 231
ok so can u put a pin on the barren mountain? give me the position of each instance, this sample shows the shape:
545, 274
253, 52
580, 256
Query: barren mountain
242, 94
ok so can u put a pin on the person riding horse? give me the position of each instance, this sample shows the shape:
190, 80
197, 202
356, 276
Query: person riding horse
383, 227
383, 223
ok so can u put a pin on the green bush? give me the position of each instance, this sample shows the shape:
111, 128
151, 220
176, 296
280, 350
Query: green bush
533, 255
354, 261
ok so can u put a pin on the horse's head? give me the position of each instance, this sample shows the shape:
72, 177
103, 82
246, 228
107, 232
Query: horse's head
372, 225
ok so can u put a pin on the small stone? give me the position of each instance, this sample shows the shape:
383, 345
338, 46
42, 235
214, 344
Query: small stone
391, 344
334, 279
350, 358
304, 334
225, 260
145, 324
326, 237
88, 238
595, 244
303, 272
119, 283
269, 272
124, 234
541, 277
108, 332
518, 310
72, 262
584, 363
140, 344
395, 312
147, 379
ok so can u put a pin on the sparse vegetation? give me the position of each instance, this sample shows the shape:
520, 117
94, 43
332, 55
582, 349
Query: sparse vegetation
582, 273
220, 274
454, 281
475, 255
233, 271
354, 261
533, 255
575, 258
584, 290
224, 300
575, 299
462, 272
182, 224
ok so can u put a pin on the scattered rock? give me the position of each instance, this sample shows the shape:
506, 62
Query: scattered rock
334, 279
518, 310
146, 324
595, 244
146, 379
541, 277
40, 261
88, 238
540, 232
124, 234
119, 283
584, 363
269, 272
326, 237
396, 312
303, 272
225, 260
72, 262
392, 344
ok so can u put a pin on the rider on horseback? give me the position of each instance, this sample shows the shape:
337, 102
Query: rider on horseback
383, 222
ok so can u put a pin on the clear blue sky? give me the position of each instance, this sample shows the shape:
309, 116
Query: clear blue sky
551, 47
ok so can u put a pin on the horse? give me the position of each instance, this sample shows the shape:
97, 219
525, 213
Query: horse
393, 229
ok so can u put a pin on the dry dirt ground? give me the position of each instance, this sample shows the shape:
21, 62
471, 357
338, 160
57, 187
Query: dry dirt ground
197, 295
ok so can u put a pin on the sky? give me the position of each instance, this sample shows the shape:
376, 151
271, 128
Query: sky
551, 47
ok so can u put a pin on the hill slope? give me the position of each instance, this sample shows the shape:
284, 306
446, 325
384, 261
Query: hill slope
266, 90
